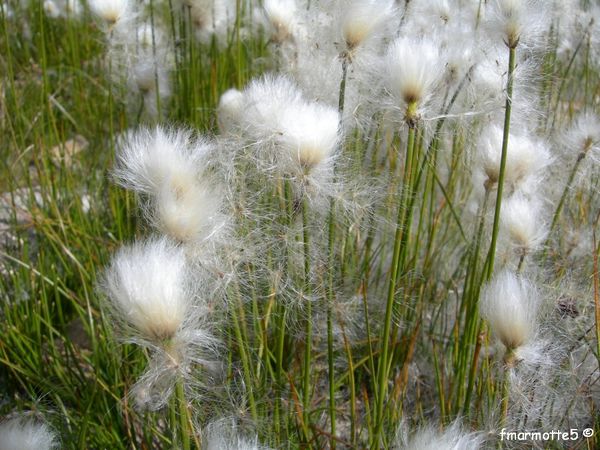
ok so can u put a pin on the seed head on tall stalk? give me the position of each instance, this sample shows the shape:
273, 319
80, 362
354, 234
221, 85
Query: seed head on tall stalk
584, 138
152, 296
515, 22
509, 304
361, 23
410, 78
523, 222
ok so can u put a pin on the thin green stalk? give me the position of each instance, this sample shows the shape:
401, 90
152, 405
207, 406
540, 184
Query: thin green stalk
238, 41
330, 299
288, 205
506, 132
566, 190
596, 298
509, 360
243, 354
280, 342
382, 369
472, 314
410, 186
439, 381
308, 300
279, 356
351, 385
521, 261
176, 55
193, 71
567, 70
156, 83
342, 95
138, 117
586, 74
365, 290
478, 19
184, 422
330, 288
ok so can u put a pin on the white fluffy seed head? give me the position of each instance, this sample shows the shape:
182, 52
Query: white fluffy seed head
460, 60
281, 14
223, 435
309, 135
230, 109
265, 101
430, 438
73, 8
523, 221
148, 286
144, 76
6, 10
51, 9
510, 305
188, 212
583, 136
526, 157
147, 157
486, 89
150, 78
26, 434
212, 19
412, 71
167, 166
300, 134
147, 36
510, 16
363, 19
111, 11
425, 15
518, 21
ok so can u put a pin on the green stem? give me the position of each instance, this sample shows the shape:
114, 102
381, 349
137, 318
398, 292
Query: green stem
184, 422
243, 354
410, 188
287, 207
331, 260
521, 261
281, 343
382, 369
342, 94
509, 359
156, 83
565, 192
330, 299
308, 300
351, 386
140, 110
472, 325
238, 41
567, 70
505, 135
596, 284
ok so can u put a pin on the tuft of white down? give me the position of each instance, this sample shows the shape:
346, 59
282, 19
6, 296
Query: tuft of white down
26, 434
147, 284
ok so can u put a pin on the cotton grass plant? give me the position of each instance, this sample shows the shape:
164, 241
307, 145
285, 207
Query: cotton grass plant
299, 224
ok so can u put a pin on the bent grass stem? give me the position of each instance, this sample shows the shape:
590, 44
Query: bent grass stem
505, 136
